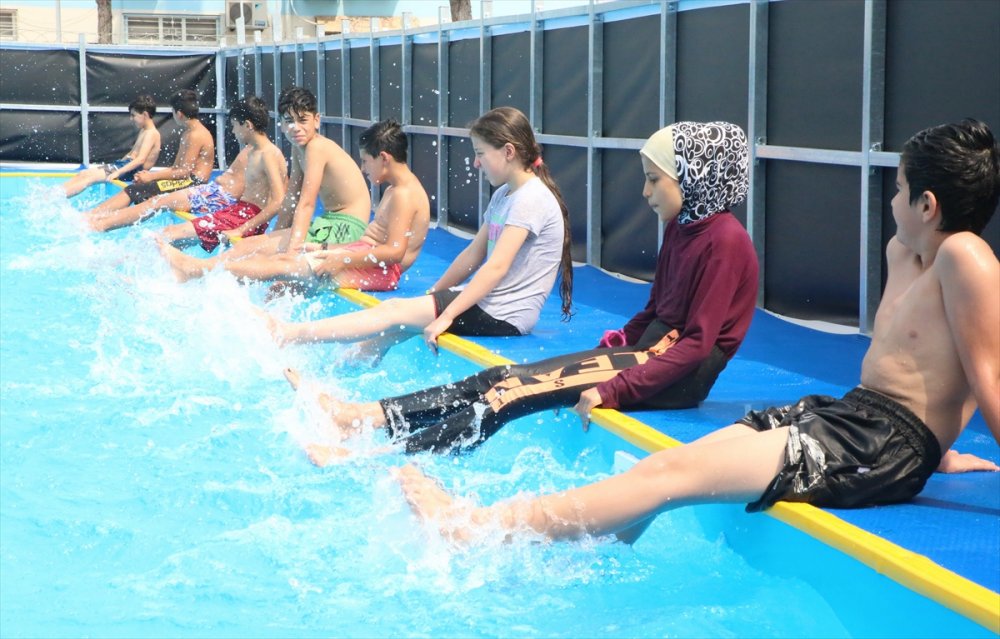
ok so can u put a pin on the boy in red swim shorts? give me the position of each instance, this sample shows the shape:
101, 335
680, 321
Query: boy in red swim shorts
265, 181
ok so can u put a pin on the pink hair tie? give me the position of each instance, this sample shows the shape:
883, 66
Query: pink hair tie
611, 339
538, 162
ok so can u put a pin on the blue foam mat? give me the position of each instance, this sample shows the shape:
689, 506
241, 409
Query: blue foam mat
955, 521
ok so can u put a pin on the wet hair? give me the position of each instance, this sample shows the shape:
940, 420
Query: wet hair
185, 101
387, 136
298, 101
143, 104
251, 109
960, 164
507, 125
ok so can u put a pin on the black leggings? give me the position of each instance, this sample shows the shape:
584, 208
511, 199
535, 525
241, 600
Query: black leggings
460, 416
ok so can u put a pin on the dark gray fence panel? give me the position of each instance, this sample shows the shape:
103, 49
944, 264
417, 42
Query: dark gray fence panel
267, 92
511, 83
112, 134
815, 74
361, 83
40, 136
425, 72
286, 72
629, 228
463, 82
333, 83
423, 163
564, 108
463, 185
813, 241
712, 61
390, 76
114, 79
569, 169
309, 71
631, 89
39, 77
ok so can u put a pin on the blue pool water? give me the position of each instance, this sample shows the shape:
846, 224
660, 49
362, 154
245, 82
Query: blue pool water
152, 484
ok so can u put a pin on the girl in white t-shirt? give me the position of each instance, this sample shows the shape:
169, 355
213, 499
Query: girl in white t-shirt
513, 260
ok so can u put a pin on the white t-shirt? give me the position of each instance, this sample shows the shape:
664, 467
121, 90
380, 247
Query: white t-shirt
520, 294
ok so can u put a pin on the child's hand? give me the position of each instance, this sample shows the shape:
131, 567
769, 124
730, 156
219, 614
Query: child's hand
956, 462
433, 330
589, 400
232, 236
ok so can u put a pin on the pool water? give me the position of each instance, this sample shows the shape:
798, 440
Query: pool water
152, 483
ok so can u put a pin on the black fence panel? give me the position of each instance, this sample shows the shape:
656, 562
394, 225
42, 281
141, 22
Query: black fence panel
309, 73
390, 79
511, 86
267, 90
564, 108
569, 169
39, 77
814, 86
425, 80
923, 86
463, 82
114, 79
40, 136
813, 241
712, 62
361, 83
424, 164
287, 71
631, 91
629, 228
463, 185
334, 106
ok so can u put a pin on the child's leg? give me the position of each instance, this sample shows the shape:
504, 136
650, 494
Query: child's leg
412, 313
732, 469
76, 184
106, 208
179, 234
279, 266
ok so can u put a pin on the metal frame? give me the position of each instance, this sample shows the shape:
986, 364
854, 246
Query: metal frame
869, 160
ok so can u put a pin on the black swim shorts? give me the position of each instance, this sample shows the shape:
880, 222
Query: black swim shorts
861, 450
474, 321
142, 191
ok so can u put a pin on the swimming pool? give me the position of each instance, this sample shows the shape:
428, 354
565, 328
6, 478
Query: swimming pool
152, 485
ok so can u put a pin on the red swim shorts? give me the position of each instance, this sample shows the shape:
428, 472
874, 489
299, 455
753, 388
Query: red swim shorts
210, 227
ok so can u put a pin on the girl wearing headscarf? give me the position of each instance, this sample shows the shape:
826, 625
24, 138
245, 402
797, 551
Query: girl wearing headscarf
667, 356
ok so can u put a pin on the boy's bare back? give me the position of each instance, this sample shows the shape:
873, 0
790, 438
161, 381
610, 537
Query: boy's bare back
196, 153
936, 339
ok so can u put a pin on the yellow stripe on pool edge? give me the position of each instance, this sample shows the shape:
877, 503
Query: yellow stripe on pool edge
913, 571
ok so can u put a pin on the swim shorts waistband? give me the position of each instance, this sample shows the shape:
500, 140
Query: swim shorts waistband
912, 427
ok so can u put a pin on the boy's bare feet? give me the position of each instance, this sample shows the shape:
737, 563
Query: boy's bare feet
185, 267
430, 502
321, 455
276, 328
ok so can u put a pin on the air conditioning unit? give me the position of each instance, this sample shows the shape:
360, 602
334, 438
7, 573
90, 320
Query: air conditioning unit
254, 13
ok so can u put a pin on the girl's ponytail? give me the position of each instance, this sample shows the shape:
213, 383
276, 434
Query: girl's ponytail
566, 262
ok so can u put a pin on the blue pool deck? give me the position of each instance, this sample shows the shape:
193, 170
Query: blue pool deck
944, 544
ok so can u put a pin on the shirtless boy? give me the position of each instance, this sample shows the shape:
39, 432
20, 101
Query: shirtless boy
320, 169
202, 199
390, 244
939, 321
143, 154
193, 165
264, 179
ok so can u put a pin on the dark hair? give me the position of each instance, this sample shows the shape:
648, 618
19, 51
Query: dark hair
297, 100
185, 101
251, 109
959, 164
143, 104
387, 136
507, 125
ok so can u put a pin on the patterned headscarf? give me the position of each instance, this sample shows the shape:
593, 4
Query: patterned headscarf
712, 165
